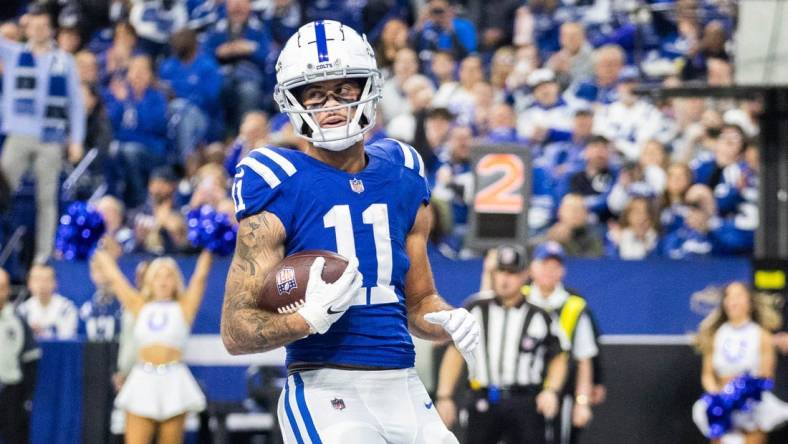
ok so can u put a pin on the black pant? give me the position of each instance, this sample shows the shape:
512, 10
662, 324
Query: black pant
14, 420
513, 419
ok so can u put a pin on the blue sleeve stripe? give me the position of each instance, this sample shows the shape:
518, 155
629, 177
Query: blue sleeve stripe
322, 43
290, 416
280, 160
261, 170
310, 425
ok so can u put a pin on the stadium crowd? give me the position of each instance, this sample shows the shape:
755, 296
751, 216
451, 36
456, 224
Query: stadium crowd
174, 92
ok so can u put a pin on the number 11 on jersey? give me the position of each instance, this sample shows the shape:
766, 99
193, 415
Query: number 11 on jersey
377, 215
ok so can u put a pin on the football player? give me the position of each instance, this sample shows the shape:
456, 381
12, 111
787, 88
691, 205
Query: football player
349, 351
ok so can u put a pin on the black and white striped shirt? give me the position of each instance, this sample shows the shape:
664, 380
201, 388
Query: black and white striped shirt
517, 343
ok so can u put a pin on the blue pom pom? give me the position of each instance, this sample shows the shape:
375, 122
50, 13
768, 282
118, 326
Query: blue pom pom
80, 230
211, 230
738, 395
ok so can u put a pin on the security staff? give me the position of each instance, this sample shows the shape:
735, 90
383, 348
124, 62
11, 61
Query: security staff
571, 313
520, 363
18, 353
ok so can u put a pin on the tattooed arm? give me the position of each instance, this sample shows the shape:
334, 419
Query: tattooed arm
245, 328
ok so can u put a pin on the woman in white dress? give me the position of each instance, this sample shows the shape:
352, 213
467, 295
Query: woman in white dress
735, 339
160, 389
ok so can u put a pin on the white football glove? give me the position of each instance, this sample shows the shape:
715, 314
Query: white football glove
463, 329
325, 303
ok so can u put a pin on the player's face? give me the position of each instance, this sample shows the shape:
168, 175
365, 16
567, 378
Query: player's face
42, 281
737, 302
331, 93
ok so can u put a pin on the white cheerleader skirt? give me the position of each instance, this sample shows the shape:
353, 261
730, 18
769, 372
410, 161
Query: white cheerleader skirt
160, 392
766, 415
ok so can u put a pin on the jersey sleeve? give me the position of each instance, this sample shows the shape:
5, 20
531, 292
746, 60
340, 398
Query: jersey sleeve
401, 153
261, 183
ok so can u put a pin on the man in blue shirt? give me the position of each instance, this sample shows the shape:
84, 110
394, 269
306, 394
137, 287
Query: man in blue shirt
240, 43
42, 111
439, 29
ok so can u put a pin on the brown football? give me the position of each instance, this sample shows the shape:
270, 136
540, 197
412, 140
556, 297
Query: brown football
284, 288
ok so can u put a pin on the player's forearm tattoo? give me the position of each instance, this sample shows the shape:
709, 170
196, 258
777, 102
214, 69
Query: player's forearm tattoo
245, 328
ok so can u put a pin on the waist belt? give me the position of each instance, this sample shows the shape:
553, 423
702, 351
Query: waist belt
160, 369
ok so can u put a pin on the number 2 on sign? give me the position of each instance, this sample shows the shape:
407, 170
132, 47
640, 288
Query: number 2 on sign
502, 195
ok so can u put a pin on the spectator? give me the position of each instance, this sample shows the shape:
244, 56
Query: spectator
419, 91
596, 179
282, 17
393, 38
138, 113
406, 64
601, 88
572, 230
698, 138
101, 315
653, 160
454, 182
548, 112
98, 137
114, 61
18, 356
195, 82
501, 68
241, 45
495, 24
437, 123
87, 67
444, 71
563, 152
159, 226
574, 60
636, 236
69, 39
704, 234
631, 182
501, 124
439, 29
630, 121
711, 46
253, 134
119, 239
462, 101
482, 103
49, 315
672, 204
42, 110
155, 21
203, 17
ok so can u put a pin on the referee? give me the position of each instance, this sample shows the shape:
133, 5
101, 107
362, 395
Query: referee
520, 363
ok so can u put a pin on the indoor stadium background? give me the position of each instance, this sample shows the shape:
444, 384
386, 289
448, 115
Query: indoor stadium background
501, 108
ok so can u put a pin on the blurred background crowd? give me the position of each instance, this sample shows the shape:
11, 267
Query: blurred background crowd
163, 97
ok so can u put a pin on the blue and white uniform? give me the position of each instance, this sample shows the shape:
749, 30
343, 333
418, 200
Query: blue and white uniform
331, 396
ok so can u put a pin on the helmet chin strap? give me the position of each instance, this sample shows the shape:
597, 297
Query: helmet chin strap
336, 133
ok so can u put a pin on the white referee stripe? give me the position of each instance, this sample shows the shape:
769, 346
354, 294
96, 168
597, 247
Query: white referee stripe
407, 154
263, 171
283, 163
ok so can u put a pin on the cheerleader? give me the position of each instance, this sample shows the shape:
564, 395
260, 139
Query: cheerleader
160, 389
735, 340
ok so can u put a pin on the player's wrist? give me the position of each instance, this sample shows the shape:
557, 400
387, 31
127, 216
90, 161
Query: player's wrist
315, 318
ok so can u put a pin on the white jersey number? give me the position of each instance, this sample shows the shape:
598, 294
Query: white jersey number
377, 215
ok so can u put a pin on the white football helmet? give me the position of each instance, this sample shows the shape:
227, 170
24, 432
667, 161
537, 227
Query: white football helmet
328, 50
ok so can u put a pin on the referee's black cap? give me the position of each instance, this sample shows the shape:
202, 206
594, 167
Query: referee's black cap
510, 258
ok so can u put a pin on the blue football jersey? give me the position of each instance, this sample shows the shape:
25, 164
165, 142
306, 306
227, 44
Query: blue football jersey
367, 215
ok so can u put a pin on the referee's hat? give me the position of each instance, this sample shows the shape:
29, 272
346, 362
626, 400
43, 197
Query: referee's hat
510, 258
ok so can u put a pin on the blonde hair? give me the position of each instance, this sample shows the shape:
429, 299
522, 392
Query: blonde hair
762, 312
154, 266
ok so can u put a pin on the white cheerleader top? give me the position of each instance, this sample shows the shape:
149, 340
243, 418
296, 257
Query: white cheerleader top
161, 323
737, 350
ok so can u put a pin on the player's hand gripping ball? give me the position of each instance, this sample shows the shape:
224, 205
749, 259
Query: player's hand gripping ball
284, 289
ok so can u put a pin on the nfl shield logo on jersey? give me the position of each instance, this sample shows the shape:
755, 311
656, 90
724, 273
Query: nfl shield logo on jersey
285, 280
338, 404
357, 185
